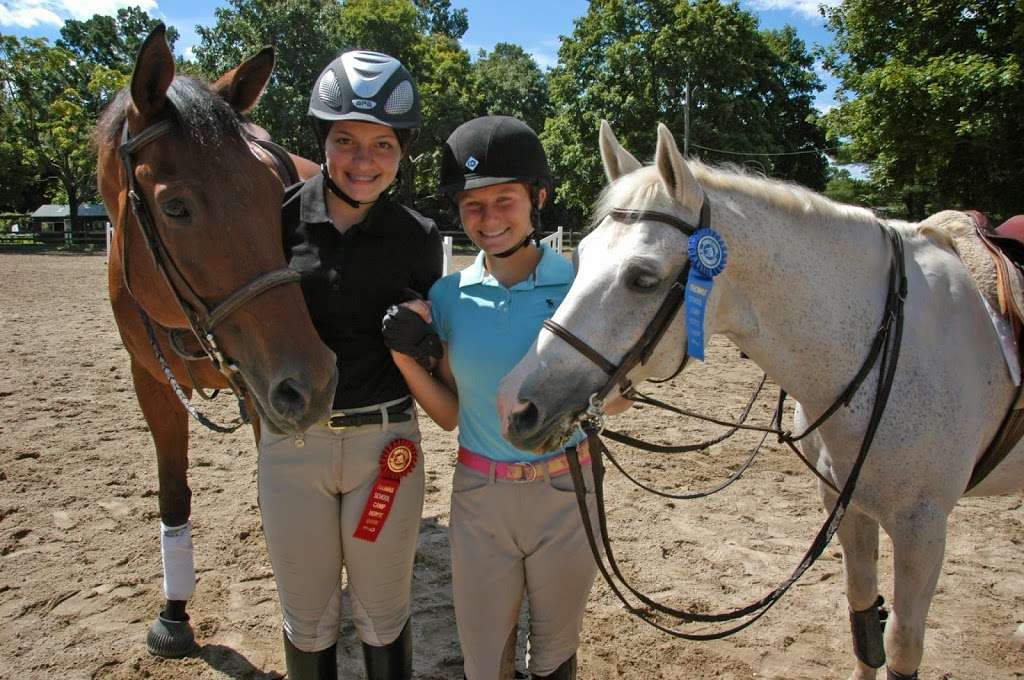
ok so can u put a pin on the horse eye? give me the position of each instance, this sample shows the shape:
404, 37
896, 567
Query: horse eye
644, 282
175, 209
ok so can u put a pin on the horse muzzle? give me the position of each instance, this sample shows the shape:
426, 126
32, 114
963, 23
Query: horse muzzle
292, 402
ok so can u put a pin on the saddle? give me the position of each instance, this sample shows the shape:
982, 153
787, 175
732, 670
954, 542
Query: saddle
1000, 278
1006, 245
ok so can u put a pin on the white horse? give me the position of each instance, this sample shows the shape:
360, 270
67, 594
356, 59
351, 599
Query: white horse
802, 294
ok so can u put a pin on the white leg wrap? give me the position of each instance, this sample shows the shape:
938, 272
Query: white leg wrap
176, 551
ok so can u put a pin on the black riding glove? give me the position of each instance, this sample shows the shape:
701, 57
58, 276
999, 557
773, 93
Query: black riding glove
405, 331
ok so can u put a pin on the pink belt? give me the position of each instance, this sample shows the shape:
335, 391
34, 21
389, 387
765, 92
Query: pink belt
518, 472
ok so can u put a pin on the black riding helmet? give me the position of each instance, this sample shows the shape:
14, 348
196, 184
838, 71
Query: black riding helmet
366, 86
495, 150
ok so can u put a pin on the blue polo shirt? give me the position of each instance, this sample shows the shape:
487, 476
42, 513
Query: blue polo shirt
488, 329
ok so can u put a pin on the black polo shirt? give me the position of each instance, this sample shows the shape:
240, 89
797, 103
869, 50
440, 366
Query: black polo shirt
350, 279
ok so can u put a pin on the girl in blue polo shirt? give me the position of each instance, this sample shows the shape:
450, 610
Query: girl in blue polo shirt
515, 528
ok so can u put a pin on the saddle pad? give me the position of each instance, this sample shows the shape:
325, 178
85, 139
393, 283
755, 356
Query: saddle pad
979, 263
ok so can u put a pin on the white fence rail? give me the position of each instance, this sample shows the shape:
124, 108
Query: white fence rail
446, 245
554, 241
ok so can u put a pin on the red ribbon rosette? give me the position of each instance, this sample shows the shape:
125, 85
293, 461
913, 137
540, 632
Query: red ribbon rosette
397, 460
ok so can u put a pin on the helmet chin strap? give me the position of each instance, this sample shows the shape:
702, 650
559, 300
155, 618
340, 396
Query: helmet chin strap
535, 222
515, 248
336, 190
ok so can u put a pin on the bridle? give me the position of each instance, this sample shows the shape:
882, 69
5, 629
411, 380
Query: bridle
884, 350
642, 349
203, 318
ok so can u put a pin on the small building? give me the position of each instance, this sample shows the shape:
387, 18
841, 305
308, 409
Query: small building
50, 226
56, 218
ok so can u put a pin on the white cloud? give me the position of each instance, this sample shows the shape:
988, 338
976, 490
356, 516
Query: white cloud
27, 17
29, 13
545, 53
808, 8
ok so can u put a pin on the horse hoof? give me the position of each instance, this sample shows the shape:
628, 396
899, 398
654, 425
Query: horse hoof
170, 639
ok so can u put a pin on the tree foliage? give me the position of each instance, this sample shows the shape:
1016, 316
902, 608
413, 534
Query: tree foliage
307, 34
509, 82
50, 102
629, 61
110, 41
932, 96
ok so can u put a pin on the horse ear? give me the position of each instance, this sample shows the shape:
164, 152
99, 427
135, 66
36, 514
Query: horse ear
154, 71
677, 178
617, 161
242, 86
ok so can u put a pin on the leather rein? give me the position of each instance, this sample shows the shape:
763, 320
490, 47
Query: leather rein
884, 351
202, 317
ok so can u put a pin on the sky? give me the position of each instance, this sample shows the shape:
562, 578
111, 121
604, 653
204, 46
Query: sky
533, 24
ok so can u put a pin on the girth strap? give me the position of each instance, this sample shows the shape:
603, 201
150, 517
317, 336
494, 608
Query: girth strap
1009, 433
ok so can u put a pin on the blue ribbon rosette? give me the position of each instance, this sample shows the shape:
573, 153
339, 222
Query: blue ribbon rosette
707, 252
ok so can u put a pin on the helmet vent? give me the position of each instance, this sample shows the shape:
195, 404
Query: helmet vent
401, 99
330, 91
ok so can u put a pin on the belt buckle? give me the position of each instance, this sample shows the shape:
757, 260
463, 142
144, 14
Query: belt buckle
527, 472
337, 428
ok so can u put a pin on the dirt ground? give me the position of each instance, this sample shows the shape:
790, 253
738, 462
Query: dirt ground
80, 575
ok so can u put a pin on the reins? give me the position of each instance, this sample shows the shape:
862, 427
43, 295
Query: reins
202, 319
884, 352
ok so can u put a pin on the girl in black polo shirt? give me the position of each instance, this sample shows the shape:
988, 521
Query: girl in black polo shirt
349, 492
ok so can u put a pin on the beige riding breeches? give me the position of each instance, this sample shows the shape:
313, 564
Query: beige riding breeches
313, 490
514, 538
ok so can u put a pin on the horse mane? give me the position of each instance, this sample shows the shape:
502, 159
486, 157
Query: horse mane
645, 188
199, 114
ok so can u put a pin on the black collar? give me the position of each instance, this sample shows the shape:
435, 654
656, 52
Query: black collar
313, 210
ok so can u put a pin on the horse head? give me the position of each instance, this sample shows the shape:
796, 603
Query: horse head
197, 225
627, 265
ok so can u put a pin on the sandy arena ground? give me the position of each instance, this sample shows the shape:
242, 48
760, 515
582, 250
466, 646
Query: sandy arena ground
80, 575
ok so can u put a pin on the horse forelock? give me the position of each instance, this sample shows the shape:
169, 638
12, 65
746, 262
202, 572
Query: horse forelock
199, 115
643, 188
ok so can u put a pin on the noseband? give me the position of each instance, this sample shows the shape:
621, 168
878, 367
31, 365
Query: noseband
202, 318
642, 349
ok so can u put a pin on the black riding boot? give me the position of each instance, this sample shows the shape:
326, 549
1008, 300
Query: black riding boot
567, 671
392, 661
322, 665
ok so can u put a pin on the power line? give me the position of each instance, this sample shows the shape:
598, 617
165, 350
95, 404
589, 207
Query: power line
753, 153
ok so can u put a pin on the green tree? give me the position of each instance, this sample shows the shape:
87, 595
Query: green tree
109, 41
307, 34
844, 187
932, 96
629, 61
509, 82
51, 98
442, 19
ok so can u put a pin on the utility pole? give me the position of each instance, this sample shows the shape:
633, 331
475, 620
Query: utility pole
686, 121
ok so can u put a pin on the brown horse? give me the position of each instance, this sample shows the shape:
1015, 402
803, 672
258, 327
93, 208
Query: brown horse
197, 273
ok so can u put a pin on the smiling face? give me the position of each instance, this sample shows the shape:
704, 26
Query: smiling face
497, 217
362, 158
